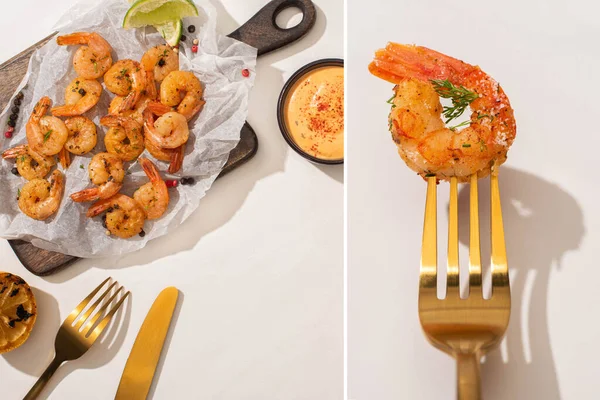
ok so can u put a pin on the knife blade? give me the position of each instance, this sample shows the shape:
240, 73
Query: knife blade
145, 353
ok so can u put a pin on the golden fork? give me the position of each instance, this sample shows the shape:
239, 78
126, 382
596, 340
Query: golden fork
464, 328
72, 341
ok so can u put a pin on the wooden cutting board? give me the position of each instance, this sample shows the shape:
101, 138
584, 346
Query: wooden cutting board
261, 32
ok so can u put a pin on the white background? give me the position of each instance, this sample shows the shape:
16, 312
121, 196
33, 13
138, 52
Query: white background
546, 56
259, 265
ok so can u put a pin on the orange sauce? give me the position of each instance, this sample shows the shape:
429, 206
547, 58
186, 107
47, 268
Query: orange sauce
314, 113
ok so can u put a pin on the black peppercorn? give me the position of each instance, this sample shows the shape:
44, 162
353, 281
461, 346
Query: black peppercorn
13, 117
11, 123
20, 96
161, 62
15, 171
82, 92
104, 222
142, 233
17, 101
183, 38
15, 110
191, 29
187, 181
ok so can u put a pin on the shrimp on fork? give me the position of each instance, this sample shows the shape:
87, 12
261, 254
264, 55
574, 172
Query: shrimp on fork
92, 59
424, 141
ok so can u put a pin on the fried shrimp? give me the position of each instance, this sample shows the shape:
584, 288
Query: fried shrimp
107, 173
126, 78
125, 137
39, 199
124, 216
91, 60
154, 195
183, 90
82, 135
136, 113
30, 164
159, 61
424, 142
46, 134
169, 131
80, 96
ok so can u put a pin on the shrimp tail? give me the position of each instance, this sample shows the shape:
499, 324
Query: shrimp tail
158, 108
129, 101
177, 159
41, 108
57, 184
15, 152
73, 38
99, 207
65, 158
196, 109
90, 194
398, 62
65, 111
150, 169
151, 91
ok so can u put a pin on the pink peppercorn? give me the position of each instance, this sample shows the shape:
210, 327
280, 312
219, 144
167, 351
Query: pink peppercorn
194, 49
8, 134
245, 73
11, 129
171, 183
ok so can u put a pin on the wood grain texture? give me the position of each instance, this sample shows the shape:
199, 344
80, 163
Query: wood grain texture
42, 262
261, 31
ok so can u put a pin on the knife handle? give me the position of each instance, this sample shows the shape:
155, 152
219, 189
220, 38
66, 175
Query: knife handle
44, 379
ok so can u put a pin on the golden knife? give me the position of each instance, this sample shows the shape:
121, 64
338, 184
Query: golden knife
145, 353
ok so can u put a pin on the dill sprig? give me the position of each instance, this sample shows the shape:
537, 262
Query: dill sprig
461, 97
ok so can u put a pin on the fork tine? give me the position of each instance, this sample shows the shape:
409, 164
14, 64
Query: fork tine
98, 330
499, 261
71, 318
93, 307
428, 275
92, 321
474, 249
452, 280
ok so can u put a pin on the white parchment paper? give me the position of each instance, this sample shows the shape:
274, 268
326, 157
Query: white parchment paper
213, 133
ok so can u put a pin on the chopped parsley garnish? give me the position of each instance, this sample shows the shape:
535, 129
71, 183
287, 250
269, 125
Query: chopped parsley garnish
47, 135
466, 145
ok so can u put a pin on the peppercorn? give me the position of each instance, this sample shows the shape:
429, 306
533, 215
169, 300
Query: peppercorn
104, 222
13, 117
82, 92
17, 102
8, 134
195, 41
191, 29
171, 183
187, 181
20, 96
245, 73
142, 233
11, 123
15, 171
183, 38
161, 62
194, 49
11, 129
15, 110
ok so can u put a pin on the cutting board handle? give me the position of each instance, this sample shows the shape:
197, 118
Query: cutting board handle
261, 31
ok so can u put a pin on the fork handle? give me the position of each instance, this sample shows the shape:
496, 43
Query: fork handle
469, 381
44, 379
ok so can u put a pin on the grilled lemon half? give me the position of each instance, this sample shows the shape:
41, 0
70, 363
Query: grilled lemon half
18, 311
